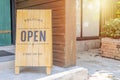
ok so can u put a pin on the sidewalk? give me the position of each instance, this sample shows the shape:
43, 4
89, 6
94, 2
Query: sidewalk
95, 63
91, 60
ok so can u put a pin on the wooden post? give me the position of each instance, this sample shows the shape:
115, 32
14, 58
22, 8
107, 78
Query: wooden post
48, 70
17, 70
70, 29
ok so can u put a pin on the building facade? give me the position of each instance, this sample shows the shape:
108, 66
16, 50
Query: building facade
66, 15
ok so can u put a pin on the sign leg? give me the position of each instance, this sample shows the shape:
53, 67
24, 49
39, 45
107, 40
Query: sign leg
48, 70
17, 70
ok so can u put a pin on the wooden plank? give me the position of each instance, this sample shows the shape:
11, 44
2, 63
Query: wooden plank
27, 3
59, 30
59, 5
18, 1
58, 47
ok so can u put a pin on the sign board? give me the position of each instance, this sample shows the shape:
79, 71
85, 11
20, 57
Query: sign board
33, 39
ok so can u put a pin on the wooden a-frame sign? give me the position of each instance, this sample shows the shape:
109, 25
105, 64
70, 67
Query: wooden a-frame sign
33, 39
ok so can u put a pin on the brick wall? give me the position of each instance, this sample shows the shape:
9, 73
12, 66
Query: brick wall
110, 48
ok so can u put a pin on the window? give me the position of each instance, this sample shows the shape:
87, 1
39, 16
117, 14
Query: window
88, 19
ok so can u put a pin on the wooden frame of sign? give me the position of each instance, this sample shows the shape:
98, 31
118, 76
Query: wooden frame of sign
34, 39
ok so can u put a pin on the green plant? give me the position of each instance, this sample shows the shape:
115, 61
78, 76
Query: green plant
111, 29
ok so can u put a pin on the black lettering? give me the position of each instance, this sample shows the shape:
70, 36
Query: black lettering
30, 34
43, 36
23, 36
35, 36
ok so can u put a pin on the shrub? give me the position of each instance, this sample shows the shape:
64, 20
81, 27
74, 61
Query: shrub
111, 29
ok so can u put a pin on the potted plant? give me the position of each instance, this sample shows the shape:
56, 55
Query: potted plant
111, 39
111, 29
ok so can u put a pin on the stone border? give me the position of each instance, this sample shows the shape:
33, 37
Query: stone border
75, 74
